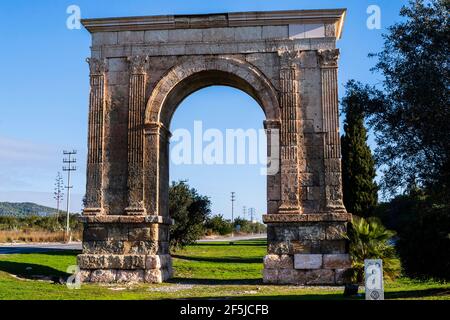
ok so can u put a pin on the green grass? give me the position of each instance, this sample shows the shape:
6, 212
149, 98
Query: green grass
206, 270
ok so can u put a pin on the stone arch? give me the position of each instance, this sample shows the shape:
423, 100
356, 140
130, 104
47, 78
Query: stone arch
194, 74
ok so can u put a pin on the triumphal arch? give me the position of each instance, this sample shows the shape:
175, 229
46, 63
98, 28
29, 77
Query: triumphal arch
141, 68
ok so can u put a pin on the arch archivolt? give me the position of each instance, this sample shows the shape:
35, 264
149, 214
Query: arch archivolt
195, 73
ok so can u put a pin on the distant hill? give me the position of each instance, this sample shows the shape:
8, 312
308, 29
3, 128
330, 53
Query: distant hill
24, 209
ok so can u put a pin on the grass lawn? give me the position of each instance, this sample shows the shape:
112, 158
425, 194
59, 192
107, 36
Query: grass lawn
205, 270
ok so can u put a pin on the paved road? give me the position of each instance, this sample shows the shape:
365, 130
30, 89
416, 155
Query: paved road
43, 247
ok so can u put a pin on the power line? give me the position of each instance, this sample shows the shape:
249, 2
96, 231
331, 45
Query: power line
252, 212
69, 168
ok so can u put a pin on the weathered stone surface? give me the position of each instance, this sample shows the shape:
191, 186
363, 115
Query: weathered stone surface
85, 275
342, 276
336, 261
320, 276
153, 276
270, 276
140, 70
272, 261
103, 276
307, 261
130, 276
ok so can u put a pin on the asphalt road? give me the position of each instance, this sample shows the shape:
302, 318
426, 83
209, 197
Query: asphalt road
12, 248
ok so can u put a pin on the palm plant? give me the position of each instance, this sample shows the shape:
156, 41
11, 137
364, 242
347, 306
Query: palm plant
369, 239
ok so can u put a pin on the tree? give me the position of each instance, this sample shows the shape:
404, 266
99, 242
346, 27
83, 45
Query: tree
412, 127
358, 166
190, 212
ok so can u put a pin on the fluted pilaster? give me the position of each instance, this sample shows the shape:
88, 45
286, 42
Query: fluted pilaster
289, 104
136, 109
330, 112
94, 186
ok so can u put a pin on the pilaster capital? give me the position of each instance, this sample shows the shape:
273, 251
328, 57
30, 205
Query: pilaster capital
97, 67
138, 64
289, 58
328, 58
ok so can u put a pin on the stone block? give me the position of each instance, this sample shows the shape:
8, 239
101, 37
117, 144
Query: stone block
341, 276
320, 277
336, 231
307, 261
336, 261
84, 275
95, 234
314, 31
153, 276
104, 38
270, 276
140, 234
152, 262
103, 276
140, 247
273, 261
130, 276
248, 33
291, 276
103, 247
218, 34
275, 32
279, 247
185, 35
130, 37
156, 36
333, 246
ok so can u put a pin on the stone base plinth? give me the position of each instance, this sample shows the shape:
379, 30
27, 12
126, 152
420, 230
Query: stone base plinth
306, 249
120, 249
106, 268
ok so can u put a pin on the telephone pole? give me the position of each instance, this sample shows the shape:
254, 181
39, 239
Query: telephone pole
58, 194
233, 198
69, 167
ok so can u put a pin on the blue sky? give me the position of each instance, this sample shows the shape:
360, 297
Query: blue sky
44, 92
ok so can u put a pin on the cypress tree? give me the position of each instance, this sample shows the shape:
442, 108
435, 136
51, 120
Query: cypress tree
358, 164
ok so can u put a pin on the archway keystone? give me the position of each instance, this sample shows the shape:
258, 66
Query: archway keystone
141, 70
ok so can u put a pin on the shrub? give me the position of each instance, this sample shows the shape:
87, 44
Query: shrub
218, 225
369, 239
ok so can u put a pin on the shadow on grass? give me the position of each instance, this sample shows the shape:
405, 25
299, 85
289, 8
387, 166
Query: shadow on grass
417, 293
33, 271
32, 250
219, 260
213, 282
306, 297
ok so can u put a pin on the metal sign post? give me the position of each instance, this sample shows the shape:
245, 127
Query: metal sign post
373, 270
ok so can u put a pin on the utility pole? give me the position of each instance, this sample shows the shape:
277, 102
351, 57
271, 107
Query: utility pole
252, 211
233, 198
69, 168
58, 194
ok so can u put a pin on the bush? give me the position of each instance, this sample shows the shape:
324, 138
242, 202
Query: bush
246, 226
218, 225
369, 239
